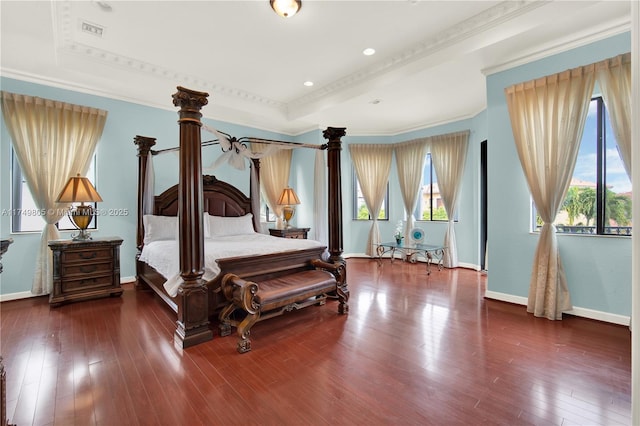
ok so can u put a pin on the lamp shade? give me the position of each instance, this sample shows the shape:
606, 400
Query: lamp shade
78, 189
288, 197
286, 8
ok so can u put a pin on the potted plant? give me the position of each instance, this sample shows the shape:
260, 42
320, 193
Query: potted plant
398, 234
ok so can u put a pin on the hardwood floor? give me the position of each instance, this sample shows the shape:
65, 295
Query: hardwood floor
414, 349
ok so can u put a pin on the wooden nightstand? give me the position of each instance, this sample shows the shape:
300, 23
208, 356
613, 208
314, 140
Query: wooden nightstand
85, 269
299, 233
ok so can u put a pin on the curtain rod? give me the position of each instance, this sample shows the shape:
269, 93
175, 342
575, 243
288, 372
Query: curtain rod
243, 140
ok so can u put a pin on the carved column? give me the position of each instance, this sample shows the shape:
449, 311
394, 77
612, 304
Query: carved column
193, 315
144, 148
334, 146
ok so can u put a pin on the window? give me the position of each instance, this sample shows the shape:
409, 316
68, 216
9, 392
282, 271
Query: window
430, 205
25, 215
268, 216
599, 197
360, 210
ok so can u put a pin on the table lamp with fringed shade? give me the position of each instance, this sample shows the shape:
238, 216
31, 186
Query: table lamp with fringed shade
80, 190
288, 199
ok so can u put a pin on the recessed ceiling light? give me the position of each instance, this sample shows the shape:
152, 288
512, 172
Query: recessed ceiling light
368, 51
375, 101
308, 83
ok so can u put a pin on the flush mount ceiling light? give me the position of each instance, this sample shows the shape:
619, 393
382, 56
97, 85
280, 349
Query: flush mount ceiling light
286, 8
369, 51
308, 83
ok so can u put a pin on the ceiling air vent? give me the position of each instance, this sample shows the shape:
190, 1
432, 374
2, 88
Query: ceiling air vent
94, 29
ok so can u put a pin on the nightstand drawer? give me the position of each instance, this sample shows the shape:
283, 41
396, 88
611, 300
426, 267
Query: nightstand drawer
87, 255
86, 284
87, 268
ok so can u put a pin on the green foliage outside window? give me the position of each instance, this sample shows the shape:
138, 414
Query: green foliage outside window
581, 202
579, 209
439, 213
363, 213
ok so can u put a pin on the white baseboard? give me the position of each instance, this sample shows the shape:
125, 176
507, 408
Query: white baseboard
504, 297
17, 296
600, 316
469, 266
576, 311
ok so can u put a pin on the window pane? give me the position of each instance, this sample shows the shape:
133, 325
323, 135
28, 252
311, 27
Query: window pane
577, 214
30, 218
267, 215
361, 212
617, 198
430, 205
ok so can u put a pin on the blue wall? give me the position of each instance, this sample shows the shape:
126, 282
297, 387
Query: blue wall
598, 268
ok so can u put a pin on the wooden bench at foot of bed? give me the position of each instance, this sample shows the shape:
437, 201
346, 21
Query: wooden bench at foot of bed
275, 296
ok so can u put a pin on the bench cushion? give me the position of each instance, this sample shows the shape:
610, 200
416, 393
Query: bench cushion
281, 291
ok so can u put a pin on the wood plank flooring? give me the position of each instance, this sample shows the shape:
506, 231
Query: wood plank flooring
414, 349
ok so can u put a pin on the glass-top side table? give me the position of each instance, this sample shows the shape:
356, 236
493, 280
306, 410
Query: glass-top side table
430, 253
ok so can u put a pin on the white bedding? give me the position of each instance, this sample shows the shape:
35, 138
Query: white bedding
164, 257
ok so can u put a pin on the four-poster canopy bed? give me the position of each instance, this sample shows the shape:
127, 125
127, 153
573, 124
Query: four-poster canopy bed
196, 198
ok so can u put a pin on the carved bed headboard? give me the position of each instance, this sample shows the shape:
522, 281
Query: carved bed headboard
219, 199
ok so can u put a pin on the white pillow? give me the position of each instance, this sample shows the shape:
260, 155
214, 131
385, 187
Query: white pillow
220, 226
158, 228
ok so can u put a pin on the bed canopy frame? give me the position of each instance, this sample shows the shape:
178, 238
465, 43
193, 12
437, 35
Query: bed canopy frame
193, 298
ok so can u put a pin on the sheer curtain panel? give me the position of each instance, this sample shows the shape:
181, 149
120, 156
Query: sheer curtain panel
547, 118
274, 177
52, 141
614, 78
372, 164
449, 155
410, 158
320, 209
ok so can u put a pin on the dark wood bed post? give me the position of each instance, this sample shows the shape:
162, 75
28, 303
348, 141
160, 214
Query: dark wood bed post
254, 193
144, 149
334, 146
193, 317
333, 135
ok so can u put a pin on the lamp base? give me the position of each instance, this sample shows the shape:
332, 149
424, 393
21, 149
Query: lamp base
83, 235
287, 215
81, 218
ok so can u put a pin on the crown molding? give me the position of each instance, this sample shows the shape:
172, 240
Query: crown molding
88, 90
592, 35
104, 57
